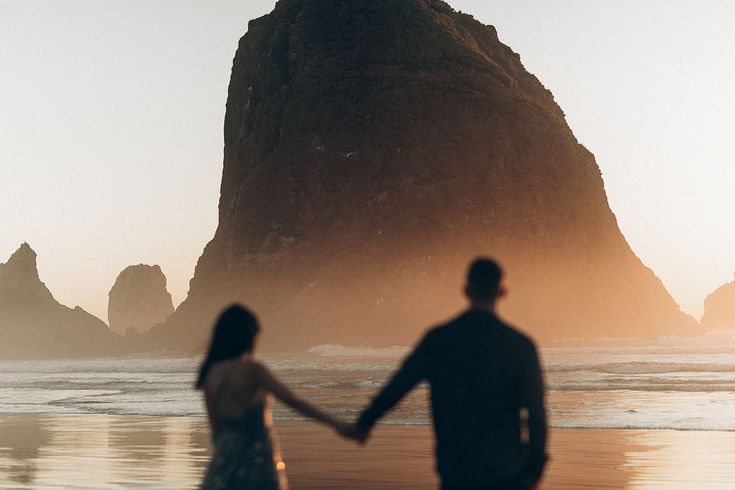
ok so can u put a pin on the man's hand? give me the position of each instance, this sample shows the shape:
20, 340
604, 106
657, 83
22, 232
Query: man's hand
361, 434
353, 431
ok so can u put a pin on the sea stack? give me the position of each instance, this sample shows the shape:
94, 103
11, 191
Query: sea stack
372, 150
719, 308
139, 300
34, 325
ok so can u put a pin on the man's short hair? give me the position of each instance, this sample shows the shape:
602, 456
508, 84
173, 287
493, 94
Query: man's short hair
483, 278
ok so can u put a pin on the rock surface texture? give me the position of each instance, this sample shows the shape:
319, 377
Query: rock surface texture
372, 149
34, 325
719, 308
139, 299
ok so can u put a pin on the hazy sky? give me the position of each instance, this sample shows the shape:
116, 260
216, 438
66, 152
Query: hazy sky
111, 128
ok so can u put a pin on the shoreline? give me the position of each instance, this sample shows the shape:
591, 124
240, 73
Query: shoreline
142, 451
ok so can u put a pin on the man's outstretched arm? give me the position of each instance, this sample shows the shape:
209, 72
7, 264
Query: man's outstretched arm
533, 399
413, 370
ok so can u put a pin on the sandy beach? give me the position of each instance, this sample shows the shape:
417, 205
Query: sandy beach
40, 451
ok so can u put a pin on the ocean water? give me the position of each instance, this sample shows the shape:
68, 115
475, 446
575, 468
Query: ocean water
668, 386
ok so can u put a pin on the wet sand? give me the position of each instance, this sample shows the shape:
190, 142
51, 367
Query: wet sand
40, 451
400, 457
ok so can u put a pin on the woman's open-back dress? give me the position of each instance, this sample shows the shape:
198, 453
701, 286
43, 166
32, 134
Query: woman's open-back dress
246, 453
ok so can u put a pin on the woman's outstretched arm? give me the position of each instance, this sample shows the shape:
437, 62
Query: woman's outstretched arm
267, 380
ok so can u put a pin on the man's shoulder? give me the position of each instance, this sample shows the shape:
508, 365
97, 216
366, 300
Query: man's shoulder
520, 341
448, 326
517, 334
482, 319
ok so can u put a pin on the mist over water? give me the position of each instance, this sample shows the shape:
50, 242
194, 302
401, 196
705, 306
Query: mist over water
673, 385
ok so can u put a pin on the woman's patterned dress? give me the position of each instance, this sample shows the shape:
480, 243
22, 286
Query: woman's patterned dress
246, 454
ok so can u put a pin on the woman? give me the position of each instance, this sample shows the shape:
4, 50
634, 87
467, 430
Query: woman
237, 391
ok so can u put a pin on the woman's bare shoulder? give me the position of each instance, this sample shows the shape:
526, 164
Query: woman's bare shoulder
237, 372
249, 368
235, 369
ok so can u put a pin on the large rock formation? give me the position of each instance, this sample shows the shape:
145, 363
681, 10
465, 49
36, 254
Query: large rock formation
719, 308
371, 150
139, 299
34, 325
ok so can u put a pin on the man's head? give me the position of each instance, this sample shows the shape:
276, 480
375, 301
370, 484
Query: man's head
483, 281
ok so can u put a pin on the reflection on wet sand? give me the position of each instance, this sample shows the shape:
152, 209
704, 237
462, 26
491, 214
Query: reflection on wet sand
45, 451
20, 441
683, 459
641, 459
101, 451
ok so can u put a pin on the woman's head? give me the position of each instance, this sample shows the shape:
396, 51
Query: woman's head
234, 335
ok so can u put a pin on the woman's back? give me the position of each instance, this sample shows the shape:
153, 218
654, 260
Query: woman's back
231, 391
244, 453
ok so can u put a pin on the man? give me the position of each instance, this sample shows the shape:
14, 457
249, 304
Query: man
482, 373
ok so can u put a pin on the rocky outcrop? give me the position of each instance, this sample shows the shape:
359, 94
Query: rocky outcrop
371, 150
34, 325
719, 308
139, 300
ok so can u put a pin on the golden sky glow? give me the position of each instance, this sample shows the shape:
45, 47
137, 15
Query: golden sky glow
111, 128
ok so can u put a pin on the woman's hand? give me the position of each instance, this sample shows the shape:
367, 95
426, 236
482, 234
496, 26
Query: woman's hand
351, 431
345, 429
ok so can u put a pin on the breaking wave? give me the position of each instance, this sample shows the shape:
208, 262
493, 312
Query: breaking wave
330, 350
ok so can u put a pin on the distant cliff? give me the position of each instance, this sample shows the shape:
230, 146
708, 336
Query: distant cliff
34, 325
719, 308
372, 149
139, 299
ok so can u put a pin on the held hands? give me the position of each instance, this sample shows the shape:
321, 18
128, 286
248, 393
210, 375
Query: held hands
352, 431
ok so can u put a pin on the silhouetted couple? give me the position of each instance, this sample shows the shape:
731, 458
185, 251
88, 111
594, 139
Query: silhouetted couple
482, 373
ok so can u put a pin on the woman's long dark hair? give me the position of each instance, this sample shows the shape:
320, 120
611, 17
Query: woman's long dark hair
233, 335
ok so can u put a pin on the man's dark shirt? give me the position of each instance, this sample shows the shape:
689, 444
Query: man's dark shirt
481, 373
